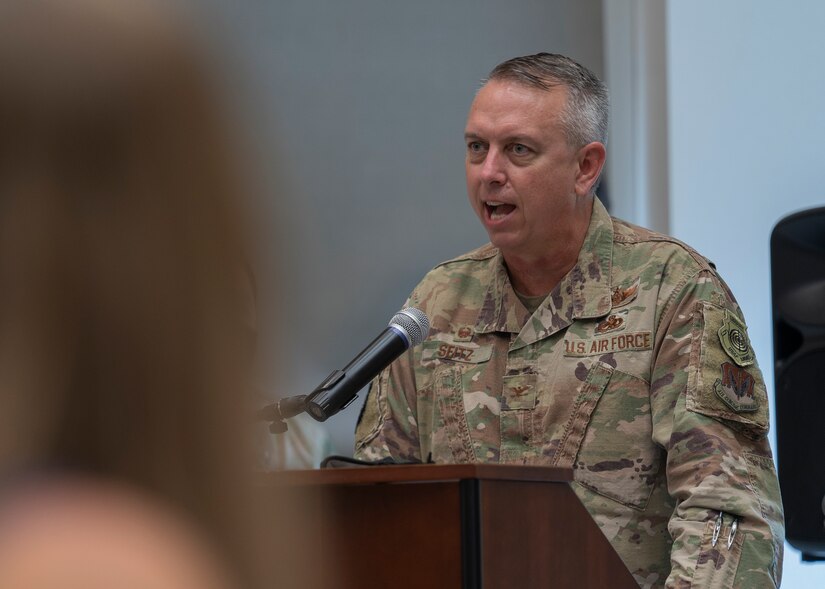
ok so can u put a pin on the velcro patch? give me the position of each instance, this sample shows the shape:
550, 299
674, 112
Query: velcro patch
621, 342
451, 352
735, 388
717, 387
519, 391
734, 338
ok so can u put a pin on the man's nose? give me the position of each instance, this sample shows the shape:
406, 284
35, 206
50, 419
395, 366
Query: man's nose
492, 170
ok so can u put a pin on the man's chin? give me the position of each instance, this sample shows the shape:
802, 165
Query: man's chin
506, 243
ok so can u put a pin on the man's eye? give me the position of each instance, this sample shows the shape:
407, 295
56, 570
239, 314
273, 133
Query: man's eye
475, 146
520, 149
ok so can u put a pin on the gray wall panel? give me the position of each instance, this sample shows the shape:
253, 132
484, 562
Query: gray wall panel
357, 111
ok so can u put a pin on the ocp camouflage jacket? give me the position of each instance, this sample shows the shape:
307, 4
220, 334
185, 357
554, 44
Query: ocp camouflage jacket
636, 371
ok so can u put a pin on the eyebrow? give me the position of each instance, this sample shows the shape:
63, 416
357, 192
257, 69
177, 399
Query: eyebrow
521, 139
508, 139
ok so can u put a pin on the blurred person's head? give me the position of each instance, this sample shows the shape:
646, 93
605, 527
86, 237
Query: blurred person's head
120, 248
104, 535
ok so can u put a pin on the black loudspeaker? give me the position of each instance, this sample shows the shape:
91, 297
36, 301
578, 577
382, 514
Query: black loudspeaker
798, 287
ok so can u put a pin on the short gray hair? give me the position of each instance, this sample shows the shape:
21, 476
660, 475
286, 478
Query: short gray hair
585, 117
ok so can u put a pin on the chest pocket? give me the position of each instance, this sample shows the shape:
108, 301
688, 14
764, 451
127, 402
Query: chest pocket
464, 405
610, 441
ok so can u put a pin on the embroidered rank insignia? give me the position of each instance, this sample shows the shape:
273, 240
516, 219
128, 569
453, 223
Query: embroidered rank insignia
464, 334
734, 338
623, 295
518, 390
735, 388
614, 322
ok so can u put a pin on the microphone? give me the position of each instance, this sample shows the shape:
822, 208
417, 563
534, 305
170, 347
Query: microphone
409, 327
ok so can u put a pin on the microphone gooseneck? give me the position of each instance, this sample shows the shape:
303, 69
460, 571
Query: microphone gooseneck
409, 327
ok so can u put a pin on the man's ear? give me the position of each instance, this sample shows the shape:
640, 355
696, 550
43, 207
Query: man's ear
591, 159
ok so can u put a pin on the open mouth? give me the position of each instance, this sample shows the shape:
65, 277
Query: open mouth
498, 210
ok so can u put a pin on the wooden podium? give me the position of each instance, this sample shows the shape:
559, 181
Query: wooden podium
453, 526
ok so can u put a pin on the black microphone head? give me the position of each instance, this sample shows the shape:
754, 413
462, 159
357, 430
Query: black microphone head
412, 322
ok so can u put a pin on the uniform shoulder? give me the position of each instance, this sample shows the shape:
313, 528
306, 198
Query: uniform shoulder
682, 275
630, 234
485, 252
465, 278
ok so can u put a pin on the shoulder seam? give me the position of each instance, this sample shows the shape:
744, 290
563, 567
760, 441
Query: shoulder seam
678, 290
476, 255
703, 262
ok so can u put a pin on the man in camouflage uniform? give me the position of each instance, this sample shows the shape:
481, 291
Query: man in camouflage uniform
582, 341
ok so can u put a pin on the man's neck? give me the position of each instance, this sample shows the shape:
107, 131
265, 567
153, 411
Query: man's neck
538, 274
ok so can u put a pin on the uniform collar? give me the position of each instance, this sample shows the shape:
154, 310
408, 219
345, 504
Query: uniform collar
583, 293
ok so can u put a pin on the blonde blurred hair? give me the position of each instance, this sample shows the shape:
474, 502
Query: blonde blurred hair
121, 239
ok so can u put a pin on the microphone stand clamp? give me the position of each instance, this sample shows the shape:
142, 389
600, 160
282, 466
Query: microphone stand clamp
277, 413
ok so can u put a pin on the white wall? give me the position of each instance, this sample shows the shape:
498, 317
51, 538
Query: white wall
746, 87
635, 72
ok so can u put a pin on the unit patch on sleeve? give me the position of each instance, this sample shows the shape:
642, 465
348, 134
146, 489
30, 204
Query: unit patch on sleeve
735, 388
718, 386
734, 338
